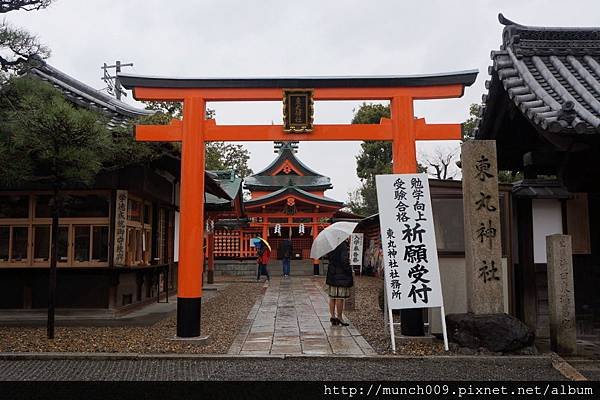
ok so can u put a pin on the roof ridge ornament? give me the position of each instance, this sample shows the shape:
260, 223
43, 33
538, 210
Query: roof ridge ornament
505, 21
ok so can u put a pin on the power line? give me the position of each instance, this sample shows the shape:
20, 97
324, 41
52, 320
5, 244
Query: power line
112, 82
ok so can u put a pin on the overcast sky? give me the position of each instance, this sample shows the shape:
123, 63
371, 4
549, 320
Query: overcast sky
284, 38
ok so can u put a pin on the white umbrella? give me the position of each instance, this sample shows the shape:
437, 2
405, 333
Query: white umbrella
331, 237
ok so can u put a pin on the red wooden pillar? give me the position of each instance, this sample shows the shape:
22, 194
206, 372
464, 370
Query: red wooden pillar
191, 237
404, 155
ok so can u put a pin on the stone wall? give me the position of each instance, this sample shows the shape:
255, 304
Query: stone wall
248, 268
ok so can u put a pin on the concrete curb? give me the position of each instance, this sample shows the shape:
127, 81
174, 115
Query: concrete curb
566, 369
172, 356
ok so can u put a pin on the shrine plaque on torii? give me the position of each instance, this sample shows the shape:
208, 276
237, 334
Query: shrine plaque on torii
403, 129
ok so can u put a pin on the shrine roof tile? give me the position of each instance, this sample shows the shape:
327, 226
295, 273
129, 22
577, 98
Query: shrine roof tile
278, 181
466, 78
292, 190
286, 153
119, 113
552, 75
229, 184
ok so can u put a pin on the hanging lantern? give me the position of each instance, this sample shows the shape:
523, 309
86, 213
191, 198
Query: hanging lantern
277, 229
301, 229
210, 226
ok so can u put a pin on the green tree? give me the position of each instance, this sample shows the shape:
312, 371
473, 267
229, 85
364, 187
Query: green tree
375, 158
219, 155
468, 130
469, 126
18, 47
44, 139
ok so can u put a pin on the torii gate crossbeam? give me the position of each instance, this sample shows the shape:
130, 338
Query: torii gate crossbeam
194, 130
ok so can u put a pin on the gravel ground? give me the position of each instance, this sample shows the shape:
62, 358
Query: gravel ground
294, 368
368, 319
222, 317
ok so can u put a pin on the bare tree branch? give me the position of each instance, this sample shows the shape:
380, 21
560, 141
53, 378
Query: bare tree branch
24, 5
441, 162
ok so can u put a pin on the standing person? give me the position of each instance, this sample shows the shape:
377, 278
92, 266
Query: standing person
339, 281
285, 252
262, 260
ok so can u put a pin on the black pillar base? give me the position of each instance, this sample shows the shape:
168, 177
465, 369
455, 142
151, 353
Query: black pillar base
412, 322
210, 277
315, 269
188, 316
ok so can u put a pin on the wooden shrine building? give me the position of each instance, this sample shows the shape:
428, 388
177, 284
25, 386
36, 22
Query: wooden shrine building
117, 238
287, 200
543, 111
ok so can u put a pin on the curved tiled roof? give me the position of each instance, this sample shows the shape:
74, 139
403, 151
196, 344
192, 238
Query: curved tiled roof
264, 180
278, 181
292, 190
118, 112
552, 75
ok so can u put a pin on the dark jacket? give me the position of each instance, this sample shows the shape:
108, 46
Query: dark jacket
285, 249
339, 272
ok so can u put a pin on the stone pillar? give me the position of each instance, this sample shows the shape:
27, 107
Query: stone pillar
481, 207
561, 294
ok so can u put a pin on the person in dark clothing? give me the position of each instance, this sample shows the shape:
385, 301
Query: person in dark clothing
285, 252
339, 281
263, 254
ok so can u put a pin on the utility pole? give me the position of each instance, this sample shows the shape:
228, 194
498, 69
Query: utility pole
112, 82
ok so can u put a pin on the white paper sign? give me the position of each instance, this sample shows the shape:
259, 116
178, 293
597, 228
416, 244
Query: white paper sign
356, 248
412, 275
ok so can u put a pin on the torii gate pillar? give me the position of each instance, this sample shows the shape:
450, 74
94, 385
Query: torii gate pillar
403, 130
191, 253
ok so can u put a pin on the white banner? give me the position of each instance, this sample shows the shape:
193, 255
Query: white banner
356, 249
412, 275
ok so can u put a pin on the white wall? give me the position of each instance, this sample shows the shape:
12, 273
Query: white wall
547, 220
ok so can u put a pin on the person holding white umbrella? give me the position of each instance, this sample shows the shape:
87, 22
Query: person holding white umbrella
333, 241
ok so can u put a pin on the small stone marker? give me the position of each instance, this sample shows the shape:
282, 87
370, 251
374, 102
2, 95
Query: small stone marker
483, 249
561, 295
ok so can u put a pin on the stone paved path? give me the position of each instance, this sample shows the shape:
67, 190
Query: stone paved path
293, 318
267, 369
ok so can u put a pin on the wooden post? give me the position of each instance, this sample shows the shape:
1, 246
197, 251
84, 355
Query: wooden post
526, 269
191, 237
265, 230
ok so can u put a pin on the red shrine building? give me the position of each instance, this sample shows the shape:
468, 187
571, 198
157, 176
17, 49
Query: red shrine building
287, 200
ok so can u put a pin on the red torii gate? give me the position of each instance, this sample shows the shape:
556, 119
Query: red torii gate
194, 130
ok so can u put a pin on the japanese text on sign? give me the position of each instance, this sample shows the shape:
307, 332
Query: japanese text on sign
356, 249
120, 227
408, 239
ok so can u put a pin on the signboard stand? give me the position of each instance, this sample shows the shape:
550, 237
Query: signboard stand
412, 276
389, 320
